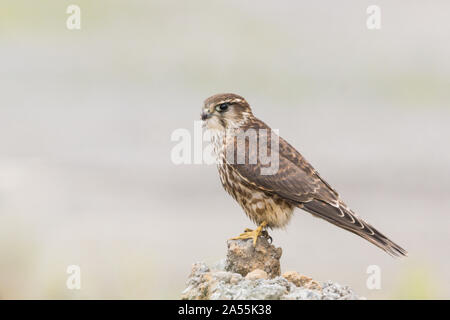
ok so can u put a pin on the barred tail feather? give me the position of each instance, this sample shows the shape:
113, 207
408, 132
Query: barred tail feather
343, 217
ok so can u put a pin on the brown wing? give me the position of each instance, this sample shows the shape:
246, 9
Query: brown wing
299, 183
295, 180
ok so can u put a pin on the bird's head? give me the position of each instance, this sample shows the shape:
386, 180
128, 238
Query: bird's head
225, 111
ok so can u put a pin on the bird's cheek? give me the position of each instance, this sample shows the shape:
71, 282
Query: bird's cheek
214, 124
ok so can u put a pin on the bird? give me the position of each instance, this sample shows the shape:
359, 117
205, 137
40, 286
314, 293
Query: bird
269, 199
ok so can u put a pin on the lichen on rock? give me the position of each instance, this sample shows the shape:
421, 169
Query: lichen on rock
243, 257
253, 273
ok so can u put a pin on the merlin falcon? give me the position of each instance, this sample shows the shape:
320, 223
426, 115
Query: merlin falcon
269, 199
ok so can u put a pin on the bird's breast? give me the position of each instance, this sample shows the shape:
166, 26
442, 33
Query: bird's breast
258, 205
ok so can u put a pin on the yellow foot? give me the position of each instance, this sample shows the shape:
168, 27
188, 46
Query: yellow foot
252, 234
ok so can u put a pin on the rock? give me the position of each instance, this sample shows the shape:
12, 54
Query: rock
220, 266
301, 280
235, 278
256, 274
253, 273
302, 295
334, 291
243, 257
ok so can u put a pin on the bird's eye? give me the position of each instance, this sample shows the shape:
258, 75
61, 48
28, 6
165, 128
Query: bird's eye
222, 107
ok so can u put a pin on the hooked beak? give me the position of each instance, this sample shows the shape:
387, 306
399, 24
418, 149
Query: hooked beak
205, 115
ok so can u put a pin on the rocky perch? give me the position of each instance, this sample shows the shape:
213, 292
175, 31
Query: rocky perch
250, 273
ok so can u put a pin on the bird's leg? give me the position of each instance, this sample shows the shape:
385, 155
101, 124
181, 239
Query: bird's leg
253, 234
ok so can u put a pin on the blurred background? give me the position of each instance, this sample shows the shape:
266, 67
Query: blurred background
86, 118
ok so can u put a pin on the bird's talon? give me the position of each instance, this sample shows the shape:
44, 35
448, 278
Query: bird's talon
266, 235
253, 234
